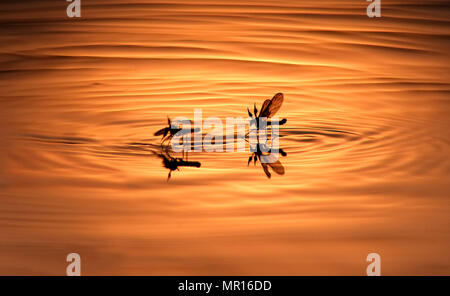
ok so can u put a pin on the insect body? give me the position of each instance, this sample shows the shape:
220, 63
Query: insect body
268, 158
170, 131
268, 109
174, 163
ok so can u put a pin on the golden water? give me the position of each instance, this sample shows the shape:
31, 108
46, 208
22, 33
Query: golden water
367, 137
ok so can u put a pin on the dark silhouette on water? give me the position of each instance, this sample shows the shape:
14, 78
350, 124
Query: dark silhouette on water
268, 109
268, 158
174, 163
171, 130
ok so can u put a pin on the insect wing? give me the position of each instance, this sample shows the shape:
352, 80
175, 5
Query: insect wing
160, 132
266, 170
273, 162
275, 104
277, 167
265, 109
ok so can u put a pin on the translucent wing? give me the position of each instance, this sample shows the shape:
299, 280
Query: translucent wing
160, 132
270, 107
265, 108
266, 170
272, 160
277, 167
275, 104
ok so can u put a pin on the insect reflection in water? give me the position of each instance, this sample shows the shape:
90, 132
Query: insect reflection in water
174, 163
267, 156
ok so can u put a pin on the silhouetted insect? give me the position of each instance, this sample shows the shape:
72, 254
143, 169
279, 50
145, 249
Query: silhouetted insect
173, 163
268, 109
267, 158
170, 131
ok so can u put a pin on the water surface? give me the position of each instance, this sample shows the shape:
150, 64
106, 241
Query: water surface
367, 137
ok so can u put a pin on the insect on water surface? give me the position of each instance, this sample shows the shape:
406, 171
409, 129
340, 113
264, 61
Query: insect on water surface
268, 109
171, 130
